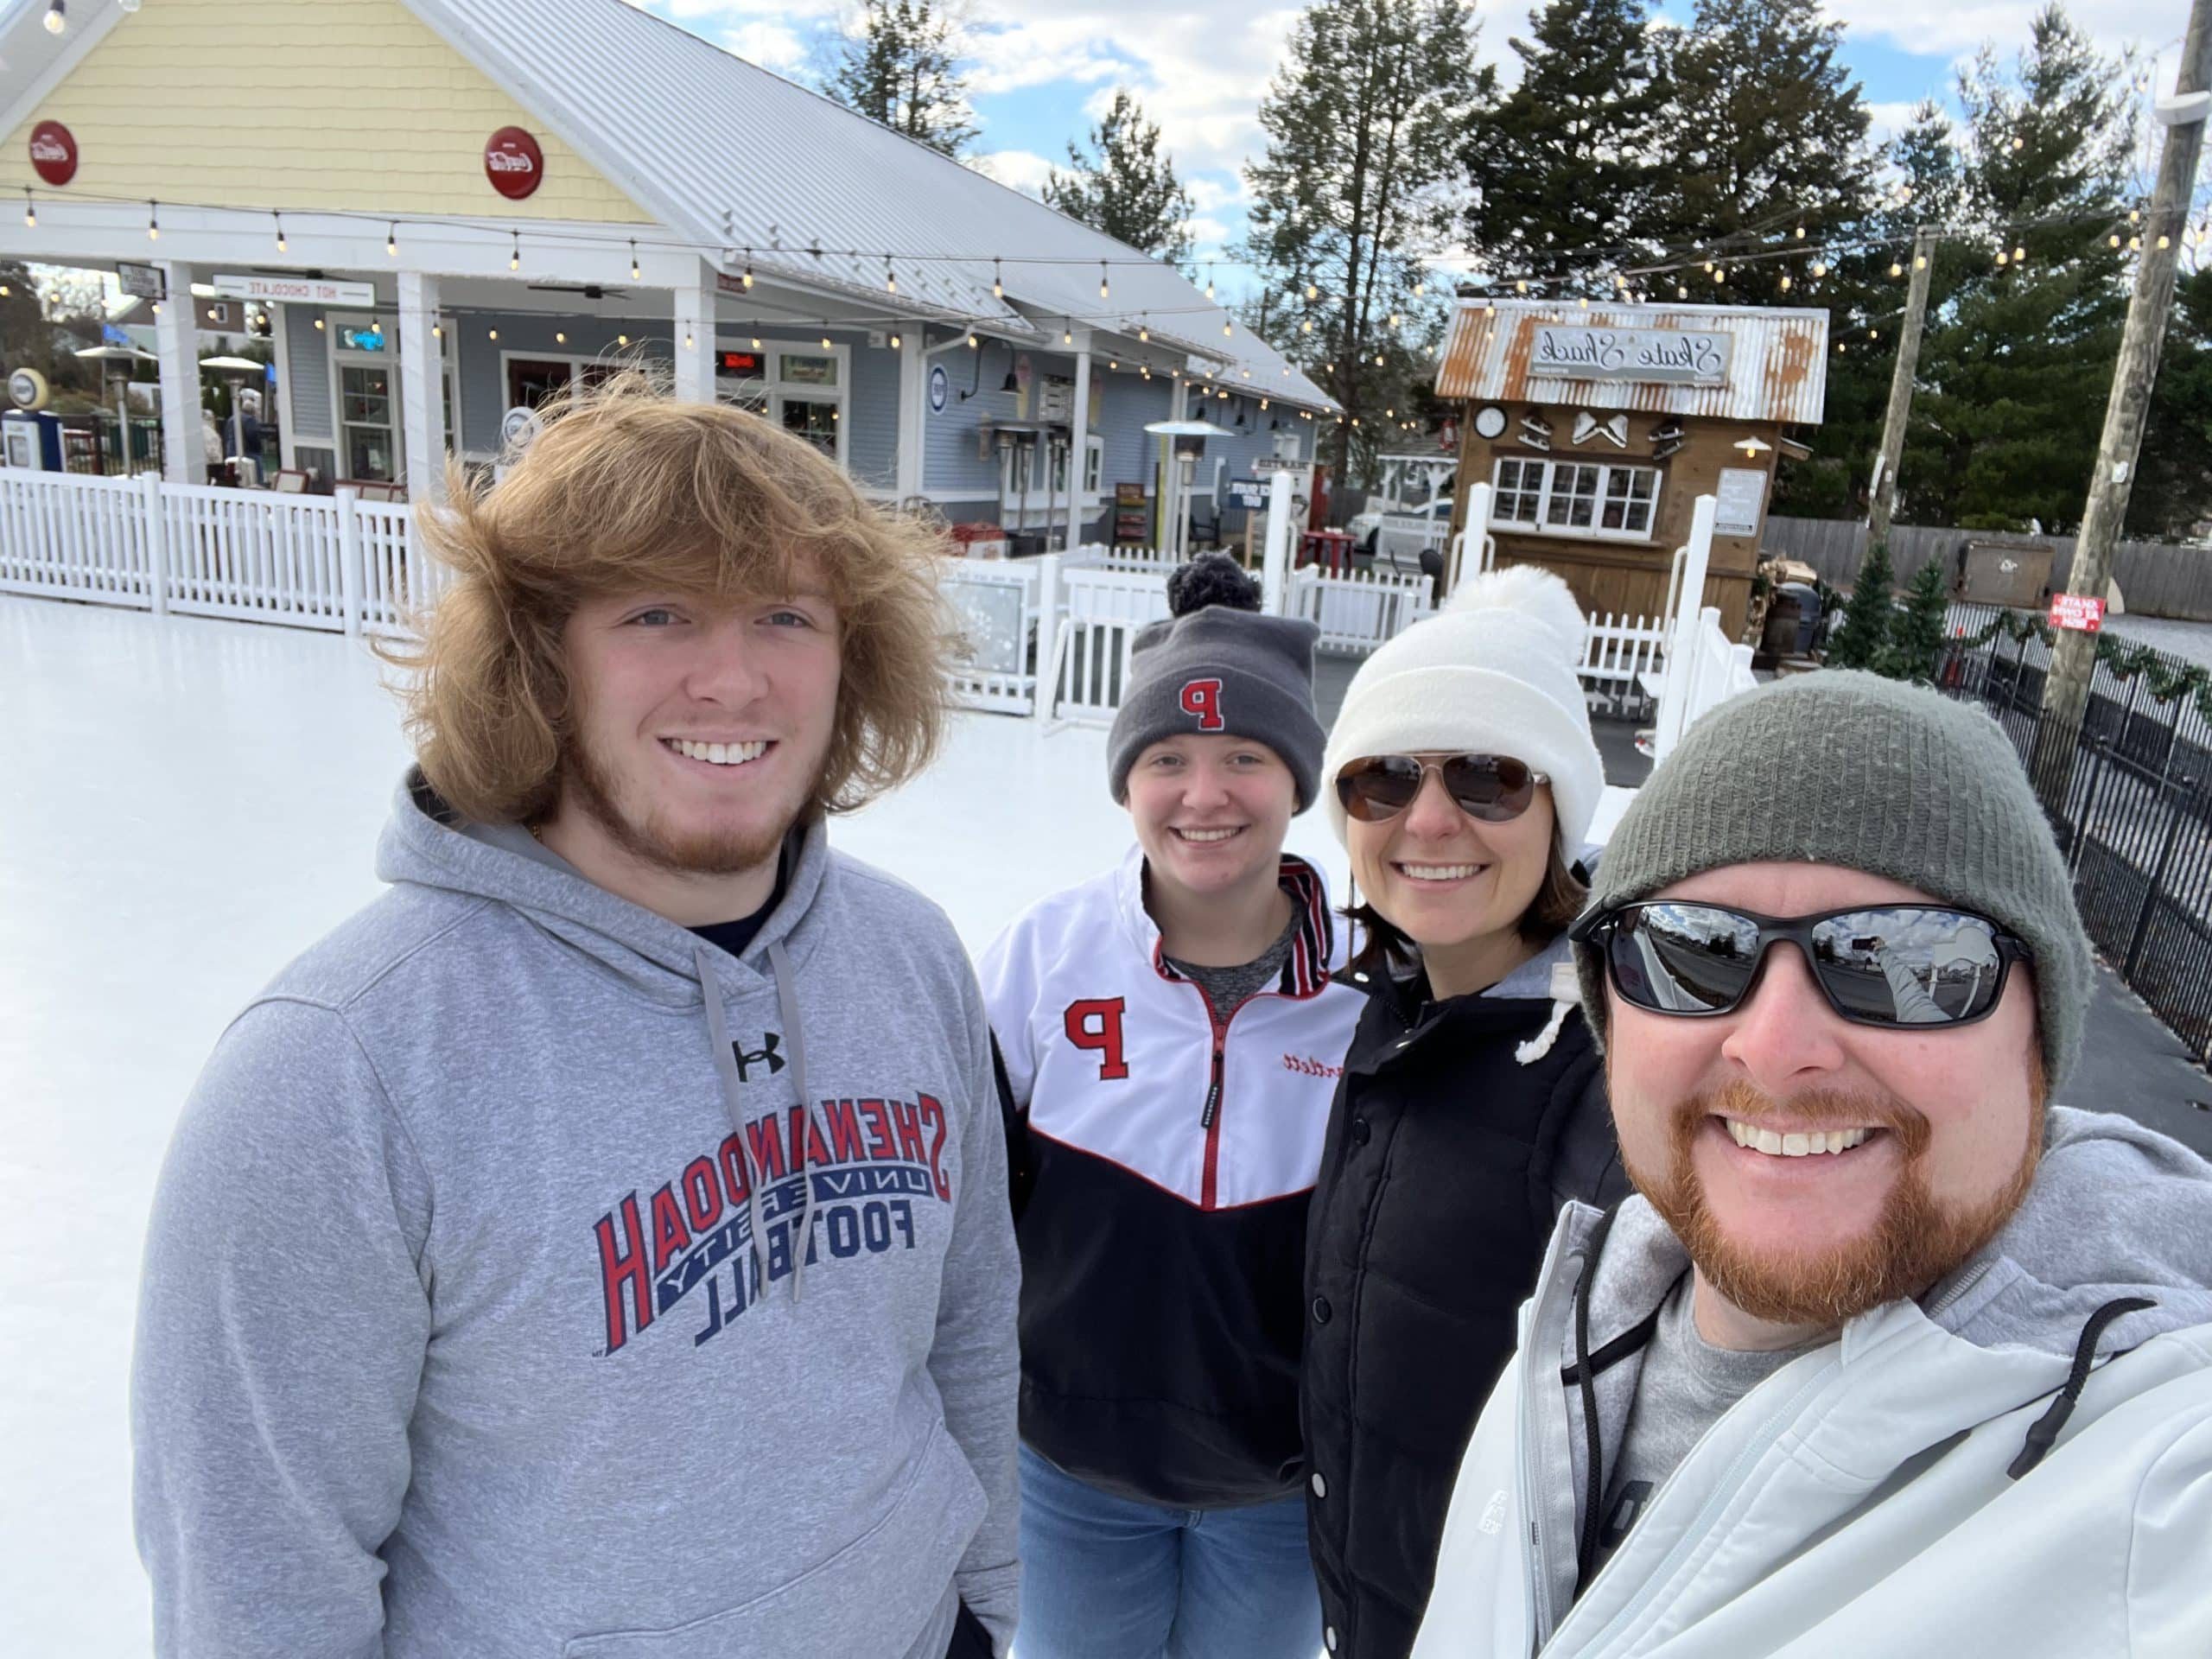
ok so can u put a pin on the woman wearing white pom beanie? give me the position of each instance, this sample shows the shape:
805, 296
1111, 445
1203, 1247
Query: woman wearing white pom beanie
1462, 779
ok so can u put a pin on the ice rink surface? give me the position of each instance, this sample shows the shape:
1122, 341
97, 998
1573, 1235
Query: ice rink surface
188, 805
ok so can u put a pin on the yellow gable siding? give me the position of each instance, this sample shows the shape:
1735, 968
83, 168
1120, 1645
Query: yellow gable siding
343, 104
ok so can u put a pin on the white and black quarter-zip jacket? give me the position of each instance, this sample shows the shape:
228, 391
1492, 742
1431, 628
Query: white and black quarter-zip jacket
1165, 1162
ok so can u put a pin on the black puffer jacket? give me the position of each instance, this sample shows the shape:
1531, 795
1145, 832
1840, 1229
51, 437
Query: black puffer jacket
1458, 1130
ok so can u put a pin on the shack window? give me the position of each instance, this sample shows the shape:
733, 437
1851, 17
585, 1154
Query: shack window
1568, 498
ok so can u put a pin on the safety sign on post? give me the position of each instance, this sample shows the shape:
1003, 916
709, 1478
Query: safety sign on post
2081, 612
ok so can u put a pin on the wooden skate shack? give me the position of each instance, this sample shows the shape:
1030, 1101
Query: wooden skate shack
1598, 427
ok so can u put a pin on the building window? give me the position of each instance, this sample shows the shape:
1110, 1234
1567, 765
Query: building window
1569, 497
365, 402
806, 392
1094, 464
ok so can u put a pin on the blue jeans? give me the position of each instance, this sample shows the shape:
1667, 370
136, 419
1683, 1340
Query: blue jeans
1106, 1578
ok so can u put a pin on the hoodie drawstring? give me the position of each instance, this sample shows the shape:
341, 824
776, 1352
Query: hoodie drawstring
2045, 1431
1537, 1047
726, 1069
795, 1038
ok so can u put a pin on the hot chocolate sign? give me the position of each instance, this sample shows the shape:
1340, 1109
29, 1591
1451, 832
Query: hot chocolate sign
1672, 355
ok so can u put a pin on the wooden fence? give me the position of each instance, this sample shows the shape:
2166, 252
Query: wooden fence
2155, 578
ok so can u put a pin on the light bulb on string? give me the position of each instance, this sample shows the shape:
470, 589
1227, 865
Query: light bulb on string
57, 17
1419, 289
2135, 215
748, 273
1312, 291
2166, 242
635, 273
492, 333
391, 240
825, 342
514, 253
318, 322
1785, 282
2113, 241
621, 340
1800, 232
153, 222
1820, 268
1306, 326
560, 337
2018, 254
1104, 290
2135, 244
896, 342
2002, 258
1681, 292
1920, 261
1067, 332
30, 210
1895, 270
974, 344
1520, 287
282, 246
890, 279
1209, 281
756, 342
687, 342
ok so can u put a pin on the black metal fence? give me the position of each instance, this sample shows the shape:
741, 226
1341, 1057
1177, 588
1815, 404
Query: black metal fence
2136, 826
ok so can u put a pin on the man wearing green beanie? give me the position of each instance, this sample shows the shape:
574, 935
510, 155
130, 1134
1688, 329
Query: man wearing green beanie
1887, 1354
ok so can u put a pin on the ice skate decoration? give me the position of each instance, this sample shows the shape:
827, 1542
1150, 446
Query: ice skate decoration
1613, 429
1666, 438
1536, 431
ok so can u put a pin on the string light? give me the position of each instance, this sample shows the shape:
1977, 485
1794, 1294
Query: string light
621, 340
896, 342
998, 287
153, 222
756, 342
514, 254
1144, 332
1920, 261
1800, 232
825, 342
2001, 258
687, 342
391, 240
2018, 254
318, 322
436, 332
57, 17
2135, 244
1103, 291
560, 337
973, 343
1681, 292
493, 333
890, 278
1820, 268
282, 246
1209, 281
1785, 282
2166, 242
1521, 288
748, 273
2135, 215
2018, 143
1227, 330
1419, 289
635, 274
1306, 326
1067, 332
30, 210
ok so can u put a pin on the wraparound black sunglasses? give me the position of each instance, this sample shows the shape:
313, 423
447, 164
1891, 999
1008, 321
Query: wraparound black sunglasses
1888, 965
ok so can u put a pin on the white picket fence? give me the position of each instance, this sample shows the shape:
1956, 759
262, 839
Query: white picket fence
1049, 637
333, 563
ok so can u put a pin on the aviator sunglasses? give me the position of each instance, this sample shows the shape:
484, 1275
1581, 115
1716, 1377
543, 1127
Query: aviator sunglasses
1886, 965
1494, 788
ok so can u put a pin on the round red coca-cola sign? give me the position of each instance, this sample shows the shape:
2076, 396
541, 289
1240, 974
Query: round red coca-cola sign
54, 152
513, 163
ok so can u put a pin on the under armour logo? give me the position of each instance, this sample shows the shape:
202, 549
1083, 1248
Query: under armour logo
770, 1042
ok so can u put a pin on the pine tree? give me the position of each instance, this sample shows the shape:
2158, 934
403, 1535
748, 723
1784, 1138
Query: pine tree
1766, 145
2018, 358
1917, 632
1863, 302
1126, 188
902, 69
1565, 169
2173, 481
1861, 639
1350, 199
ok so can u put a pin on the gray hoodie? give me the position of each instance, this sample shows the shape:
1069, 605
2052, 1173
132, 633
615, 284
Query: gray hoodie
473, 1323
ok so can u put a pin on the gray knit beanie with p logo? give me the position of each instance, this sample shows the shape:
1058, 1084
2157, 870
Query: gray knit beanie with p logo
1217, 665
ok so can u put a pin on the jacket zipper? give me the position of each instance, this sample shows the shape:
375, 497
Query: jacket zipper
1210, 1119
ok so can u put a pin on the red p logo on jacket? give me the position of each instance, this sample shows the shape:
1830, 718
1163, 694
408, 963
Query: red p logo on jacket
1095, 1025
1203, 699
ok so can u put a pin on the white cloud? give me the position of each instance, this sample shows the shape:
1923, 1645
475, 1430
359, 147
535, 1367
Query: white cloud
1885, 121
1211, 195
1023, 170
1962, 29
771, 45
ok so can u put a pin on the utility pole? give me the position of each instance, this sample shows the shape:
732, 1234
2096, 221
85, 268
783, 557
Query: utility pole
2066, 688
1883, 507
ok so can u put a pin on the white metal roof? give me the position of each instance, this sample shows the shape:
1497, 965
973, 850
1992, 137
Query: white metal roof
729, 155
1777, 369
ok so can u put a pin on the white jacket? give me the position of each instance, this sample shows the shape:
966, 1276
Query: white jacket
1862, 1500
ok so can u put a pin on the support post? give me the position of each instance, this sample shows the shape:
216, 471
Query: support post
1048, 635
2066, 688
1681, 634
422, 387
1884, 502
914, 415
351, 585
694, 336
184, 450
148, 485
1275, 558
1078, 439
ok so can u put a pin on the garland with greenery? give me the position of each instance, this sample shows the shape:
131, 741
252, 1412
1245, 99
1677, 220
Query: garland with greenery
2165, 678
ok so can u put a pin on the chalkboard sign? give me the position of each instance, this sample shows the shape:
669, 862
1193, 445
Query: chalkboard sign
1249, 493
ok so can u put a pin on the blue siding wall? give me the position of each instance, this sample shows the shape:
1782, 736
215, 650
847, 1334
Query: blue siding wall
872, 445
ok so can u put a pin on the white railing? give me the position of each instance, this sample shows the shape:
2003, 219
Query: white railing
1358, 611
1618, 653
1704, 667
332, 563
1090, 661
1092, 557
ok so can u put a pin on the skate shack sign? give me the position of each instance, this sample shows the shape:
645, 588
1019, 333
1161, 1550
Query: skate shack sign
1663, 356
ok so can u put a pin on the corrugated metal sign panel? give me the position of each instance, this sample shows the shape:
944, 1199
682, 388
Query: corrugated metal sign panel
1777, 368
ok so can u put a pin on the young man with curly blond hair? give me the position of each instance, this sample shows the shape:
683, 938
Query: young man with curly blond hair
600, 1246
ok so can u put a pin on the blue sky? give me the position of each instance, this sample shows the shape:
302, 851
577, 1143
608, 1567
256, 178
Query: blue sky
1043, 67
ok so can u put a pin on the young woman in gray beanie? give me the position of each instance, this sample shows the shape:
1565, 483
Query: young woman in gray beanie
1170, 1033
1462, 778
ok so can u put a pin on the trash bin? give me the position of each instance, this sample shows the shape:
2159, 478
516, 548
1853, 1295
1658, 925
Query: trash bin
1790, 621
